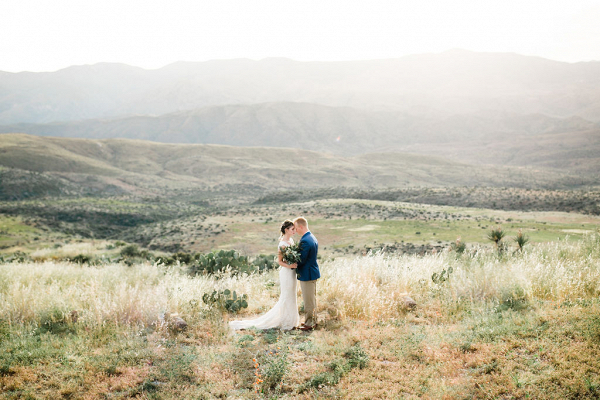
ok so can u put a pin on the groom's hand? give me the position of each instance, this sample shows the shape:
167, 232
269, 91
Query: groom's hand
294, 265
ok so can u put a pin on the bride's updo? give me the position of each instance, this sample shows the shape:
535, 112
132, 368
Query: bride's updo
284, 225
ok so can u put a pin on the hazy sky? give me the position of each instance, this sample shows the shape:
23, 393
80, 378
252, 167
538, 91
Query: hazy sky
44, 35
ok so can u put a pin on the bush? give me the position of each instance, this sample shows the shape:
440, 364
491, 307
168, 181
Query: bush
512, 298
56, 322
355, 356
81, 259
458, 246
165, 260
275, 366
183, 258
18, 256
130, 251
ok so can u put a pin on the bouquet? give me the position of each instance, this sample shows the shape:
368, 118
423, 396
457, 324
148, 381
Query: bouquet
291, 253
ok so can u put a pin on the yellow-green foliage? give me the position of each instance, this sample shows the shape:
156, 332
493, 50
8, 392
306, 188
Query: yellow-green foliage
367, 288
515, 325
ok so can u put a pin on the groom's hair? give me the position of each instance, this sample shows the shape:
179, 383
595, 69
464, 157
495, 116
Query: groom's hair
301, 221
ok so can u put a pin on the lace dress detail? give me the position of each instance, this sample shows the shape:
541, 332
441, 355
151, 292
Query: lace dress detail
284, 315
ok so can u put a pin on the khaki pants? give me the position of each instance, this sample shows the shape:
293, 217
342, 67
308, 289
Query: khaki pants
309, 295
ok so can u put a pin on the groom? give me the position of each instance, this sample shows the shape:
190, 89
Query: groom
308, 272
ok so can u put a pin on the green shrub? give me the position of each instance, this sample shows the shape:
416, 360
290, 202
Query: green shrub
357, 357
55, 321
183, 258
275, 366
130, 251
513, 298
81, 259
18, 256
178, 364
321, 379
458, 246
164, 260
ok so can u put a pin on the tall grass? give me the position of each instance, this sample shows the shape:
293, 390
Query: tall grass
68, 250
371, 287
362, 288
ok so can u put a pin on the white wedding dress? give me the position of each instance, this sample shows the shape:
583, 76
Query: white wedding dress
284, 315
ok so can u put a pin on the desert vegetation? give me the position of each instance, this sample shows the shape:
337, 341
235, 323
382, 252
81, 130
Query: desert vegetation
500, 325
457, 213
498, 198
119, 283
200, 225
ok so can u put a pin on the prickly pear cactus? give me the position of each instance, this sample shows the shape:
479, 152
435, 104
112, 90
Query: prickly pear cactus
226, 300
442, 276
211, 263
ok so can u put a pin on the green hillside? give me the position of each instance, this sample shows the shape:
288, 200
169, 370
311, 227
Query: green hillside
146, 167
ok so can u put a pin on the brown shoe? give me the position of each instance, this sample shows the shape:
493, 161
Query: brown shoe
306, 328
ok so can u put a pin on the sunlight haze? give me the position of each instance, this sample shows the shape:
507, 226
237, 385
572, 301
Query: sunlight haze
45, 36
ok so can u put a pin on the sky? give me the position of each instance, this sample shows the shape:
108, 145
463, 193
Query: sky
44, 35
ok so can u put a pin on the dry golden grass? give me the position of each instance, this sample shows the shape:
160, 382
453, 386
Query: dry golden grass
509, 326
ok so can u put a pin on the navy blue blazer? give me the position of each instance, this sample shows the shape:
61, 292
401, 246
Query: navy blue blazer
308, 269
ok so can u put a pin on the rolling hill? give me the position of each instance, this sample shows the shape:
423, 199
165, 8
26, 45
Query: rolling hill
113, 166
483, 138
462, 109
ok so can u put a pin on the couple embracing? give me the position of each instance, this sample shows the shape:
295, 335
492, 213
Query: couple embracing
284, 315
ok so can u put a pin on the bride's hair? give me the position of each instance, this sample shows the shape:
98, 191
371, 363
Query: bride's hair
284, 225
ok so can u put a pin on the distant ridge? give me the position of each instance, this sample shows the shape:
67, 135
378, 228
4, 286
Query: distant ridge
489, 137
453, 82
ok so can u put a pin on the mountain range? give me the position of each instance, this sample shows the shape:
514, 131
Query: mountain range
453, 82
469, 108
484, 138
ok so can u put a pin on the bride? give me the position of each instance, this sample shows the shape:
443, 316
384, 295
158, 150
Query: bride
284, 315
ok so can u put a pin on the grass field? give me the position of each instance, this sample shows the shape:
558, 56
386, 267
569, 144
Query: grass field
510, 325
516, 325
91, 290
343, 226
353, 226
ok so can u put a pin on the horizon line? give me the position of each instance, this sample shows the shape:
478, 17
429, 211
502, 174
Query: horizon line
453, 50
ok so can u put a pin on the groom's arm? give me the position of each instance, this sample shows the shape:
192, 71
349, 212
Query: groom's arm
304, 251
